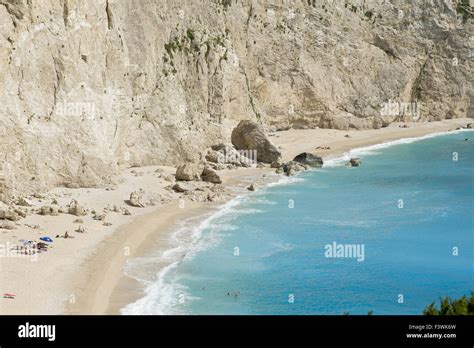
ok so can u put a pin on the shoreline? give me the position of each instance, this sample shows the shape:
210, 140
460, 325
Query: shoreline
116, 253
158, 229
89, 278
127, 283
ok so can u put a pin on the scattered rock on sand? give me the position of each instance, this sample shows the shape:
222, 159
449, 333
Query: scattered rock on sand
7, 225
249, 135
218, 166
6, 214
215, 157
347, 136
34, 227
52, 210
354, 162
126, 212
170, 178
21, 212
197, 195
189, 172
183, 187
470, 126
276, 164
81, 229
309, 159
252, 187
136, 200
217, 188
23, 202
78, 221
76, 209
100, 217
72, 185
216, 197
209, 175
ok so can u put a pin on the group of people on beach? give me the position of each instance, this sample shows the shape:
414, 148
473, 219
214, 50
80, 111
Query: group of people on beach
30, 247
65, 236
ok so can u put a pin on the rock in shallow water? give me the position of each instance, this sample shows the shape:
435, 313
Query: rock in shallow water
291, 168
354, 162
252, 187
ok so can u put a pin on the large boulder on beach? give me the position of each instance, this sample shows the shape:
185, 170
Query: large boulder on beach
136, 200
76, 209
189, 172
209, 175
249, 135
470, 125
309, 159
7, 214
214, 156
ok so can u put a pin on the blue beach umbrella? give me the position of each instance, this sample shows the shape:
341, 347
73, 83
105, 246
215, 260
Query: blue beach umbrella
46, 239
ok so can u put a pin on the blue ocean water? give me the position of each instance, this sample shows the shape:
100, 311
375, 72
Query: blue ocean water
410, 205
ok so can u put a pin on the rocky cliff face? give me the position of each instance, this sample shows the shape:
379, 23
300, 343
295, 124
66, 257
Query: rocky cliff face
89, 86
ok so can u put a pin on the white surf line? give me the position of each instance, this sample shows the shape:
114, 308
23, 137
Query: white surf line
367, 150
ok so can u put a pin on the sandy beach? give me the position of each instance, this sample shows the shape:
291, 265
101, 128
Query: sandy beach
84, 274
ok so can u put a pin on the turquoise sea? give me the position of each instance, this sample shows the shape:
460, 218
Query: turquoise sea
409, 207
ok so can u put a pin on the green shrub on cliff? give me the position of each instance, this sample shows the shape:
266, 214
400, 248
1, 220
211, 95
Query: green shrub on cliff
465, 10
461, 306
